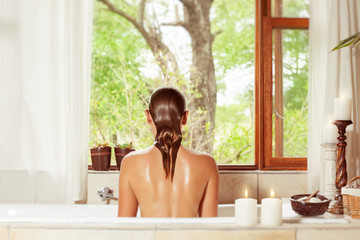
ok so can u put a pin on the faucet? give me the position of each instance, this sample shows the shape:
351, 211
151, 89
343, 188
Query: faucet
106, 194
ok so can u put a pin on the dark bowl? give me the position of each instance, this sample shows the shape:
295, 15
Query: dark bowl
308, 208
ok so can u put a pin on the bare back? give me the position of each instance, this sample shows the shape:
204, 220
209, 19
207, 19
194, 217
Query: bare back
193, 191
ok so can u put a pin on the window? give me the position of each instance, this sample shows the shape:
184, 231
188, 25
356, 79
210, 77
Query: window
253, 46
283, 84
234, 57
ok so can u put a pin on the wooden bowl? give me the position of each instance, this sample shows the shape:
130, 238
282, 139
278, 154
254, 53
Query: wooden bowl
308, 208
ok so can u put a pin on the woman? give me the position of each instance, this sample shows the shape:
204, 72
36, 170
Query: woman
168, 179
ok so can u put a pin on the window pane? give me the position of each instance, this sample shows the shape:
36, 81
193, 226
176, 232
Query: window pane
290, 88
124, 72
233, 51
290, 8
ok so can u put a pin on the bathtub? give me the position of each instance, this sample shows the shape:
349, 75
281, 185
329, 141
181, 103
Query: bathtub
84, 213
97, 222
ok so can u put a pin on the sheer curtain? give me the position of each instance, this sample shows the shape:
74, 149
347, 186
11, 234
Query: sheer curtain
332, 74
44, 100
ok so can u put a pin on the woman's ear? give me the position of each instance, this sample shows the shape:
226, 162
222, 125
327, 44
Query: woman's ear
148, 116
184, 117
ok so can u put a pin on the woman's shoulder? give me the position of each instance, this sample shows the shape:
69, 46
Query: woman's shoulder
195, 152
201, 162
138, 155
199, 156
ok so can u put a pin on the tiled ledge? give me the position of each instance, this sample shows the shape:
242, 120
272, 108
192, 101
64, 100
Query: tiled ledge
145, 230
103, 172
259, 184
232, 184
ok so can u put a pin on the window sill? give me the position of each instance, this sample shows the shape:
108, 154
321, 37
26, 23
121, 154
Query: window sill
222, 168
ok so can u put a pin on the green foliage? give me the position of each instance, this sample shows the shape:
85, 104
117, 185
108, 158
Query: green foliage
120, 89
235, 145
295, 80
293, 8
351, 41
234, 141
100, 145
295, 132
235, 45
296, 49
124, 145
234, 48
295, 67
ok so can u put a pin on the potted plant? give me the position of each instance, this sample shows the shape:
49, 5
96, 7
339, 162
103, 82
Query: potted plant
121, 150
101, 156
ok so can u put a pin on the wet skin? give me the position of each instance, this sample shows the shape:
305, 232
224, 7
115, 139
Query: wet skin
193, 191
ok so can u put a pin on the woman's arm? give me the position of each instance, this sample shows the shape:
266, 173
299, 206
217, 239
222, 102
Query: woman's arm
128, 204
209, 203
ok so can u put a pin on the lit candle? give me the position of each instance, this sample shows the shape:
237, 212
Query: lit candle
246, 211
342, 108
329, 133
271, 211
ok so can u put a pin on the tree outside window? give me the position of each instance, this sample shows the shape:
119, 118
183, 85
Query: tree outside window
206, 49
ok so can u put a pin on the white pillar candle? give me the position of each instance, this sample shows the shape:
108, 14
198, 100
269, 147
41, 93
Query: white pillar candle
246, 211
330, 133
342, 108
271, 212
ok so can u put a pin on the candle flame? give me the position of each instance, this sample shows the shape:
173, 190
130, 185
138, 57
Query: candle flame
246, 193
272, 194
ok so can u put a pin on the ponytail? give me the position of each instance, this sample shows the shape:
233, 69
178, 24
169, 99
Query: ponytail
167, 106
168, 143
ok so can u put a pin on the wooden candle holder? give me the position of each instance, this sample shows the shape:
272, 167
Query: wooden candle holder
336, 206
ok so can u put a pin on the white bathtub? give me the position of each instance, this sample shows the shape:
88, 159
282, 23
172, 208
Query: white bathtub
83, 213
97, 222
80, 213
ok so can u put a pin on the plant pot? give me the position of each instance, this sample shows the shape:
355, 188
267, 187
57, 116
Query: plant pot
120, 153
100, 158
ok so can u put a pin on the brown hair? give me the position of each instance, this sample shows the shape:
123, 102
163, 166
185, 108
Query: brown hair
167, 106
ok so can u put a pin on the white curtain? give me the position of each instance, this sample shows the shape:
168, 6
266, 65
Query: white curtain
332, 74
45, 64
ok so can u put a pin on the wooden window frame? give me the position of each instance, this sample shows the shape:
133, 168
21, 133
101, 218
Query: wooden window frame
270, 23
264, 25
